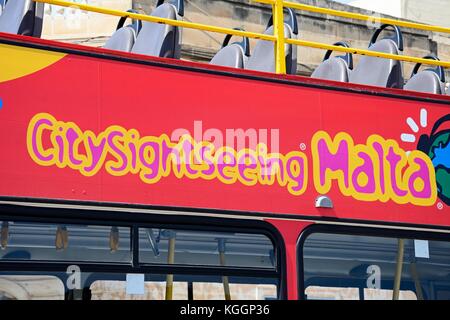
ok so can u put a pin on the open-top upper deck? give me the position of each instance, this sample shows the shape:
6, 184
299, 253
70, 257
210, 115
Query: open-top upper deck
97, 125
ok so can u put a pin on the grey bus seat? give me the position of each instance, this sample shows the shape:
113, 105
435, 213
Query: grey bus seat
378, 71
263, 59
125, 36
335, 68
430, 80
233, 55
23, 17
161, 40
2, 5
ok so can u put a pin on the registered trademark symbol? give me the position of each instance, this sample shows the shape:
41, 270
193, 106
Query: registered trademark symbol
440, 206
302, 146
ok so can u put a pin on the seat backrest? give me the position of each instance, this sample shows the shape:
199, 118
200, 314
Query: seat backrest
431, 80
335, 68
124, 37
22, 17
263, 59
122, 40
161, 40
233, 55
378, 71
2, 5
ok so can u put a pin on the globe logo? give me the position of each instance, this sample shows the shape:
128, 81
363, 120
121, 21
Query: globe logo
440, 155
437, 147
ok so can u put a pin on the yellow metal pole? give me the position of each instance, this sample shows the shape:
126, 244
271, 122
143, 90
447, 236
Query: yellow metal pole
4, 235
114, 239
143, 17
61, 238
415, 276
398, 269
170, 260
358, 16
278, 31
226, 284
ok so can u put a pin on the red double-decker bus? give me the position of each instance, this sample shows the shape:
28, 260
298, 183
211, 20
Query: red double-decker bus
127, 175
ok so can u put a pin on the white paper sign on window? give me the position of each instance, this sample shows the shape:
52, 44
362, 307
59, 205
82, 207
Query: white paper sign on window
422, 249
135, 284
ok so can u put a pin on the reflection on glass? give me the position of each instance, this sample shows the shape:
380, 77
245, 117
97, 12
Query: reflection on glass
206, 248
338, 266
114, 286
40, 241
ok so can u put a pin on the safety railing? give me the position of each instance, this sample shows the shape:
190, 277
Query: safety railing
278, 23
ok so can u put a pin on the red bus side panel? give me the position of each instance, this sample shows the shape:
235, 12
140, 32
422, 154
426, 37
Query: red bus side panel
84, 128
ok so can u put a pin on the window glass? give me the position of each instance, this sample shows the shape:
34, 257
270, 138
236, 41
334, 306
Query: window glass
153, 290
185, 286
338, 266
31, 287
238, 291
118, 286
40, 241
88, 267
206, 248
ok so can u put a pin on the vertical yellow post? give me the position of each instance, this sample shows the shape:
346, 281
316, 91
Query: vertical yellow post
415, 276
4, 235
398, 269
170, 260
226, 284
278, 30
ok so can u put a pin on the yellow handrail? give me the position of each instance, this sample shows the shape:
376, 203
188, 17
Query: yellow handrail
144, 17
278, 37
366, 52
359, 16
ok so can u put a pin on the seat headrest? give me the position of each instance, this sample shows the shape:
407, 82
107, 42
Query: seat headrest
233, 55
334, 68
426, 81
122, 40
397, 38
229, 56
291, 21
23, 17
431, 80
263, 59
378, 71
157, 39
178, 4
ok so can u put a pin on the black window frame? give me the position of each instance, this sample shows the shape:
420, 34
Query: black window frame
361, 230
122, 217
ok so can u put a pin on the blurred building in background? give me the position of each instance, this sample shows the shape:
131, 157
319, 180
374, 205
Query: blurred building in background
69, 24
436, 12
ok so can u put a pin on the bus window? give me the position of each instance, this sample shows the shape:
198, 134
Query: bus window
353, 267
153, 290
31, 288
76, 261
56, 242
187, 287
239, 291
206, 248
337, 293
